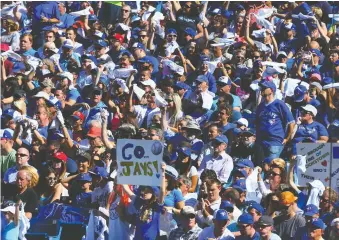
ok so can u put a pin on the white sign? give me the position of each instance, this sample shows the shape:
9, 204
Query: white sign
318, 163
139, 162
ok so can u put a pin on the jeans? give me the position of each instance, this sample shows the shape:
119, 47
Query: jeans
272, 151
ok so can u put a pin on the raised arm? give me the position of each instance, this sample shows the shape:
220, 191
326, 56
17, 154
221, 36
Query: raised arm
162, 187
247, 32
290, 175
104, 135
130, 100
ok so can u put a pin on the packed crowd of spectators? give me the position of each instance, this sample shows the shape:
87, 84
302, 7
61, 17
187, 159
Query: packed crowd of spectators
229, 88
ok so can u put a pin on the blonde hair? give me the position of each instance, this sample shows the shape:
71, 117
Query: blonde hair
178, 109
317, 12
279, 162
32, 174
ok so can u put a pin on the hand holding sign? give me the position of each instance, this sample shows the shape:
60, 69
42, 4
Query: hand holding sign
140, 162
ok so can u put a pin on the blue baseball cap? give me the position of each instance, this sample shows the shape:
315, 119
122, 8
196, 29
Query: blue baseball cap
190, 31
216, 11
227, 13
317, 223
204, 58
185, 150
257, 207
226, 204
311, 210
299, 93
221, 139
240, 185
86, 177
224, 80
171, 31
245, 163
181, 85
7, 133
201, 78
267, 84
257, 64
53, 102
316, 52
139, 45
246, 218
99, 171
327, 80
242, 172
220, 215
101, 43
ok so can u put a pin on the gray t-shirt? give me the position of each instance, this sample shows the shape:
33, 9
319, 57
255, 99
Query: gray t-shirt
274, 237
286, 228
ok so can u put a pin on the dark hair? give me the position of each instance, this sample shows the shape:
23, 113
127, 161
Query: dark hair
231, 194
172, 183
227, 108
50, 31
208, 174
71, 29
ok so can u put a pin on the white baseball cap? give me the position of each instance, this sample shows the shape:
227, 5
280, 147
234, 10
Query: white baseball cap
41, 94
10, 209
243, 121
311, 109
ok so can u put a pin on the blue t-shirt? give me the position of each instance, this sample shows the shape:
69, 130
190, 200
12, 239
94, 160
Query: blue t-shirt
272, 121
313, 130
73, 94
149, 229
44, 9
173, 198
83, 199
288, 46
64, 62
10, 232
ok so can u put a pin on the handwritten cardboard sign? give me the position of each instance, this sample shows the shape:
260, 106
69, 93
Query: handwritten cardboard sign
139, 162
318, 163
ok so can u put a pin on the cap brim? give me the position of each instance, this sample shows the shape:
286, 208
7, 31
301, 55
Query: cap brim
299, 98
309, 214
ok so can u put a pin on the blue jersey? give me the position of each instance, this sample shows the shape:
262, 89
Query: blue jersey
272, 121
310, 131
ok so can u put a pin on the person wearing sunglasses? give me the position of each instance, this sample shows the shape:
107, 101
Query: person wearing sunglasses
264, 227
22, 158
48, 188
310, 130
246, 227
273, 117
188, 229
219, 230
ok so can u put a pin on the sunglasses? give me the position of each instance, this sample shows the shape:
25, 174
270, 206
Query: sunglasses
142, 36
187, 6
171, 35
325, 200
305, 112
256, 57
124, 10
169, 100
21, 155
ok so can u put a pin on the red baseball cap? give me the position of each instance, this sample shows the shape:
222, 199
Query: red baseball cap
60, 156
78, 115
118, 37
94, 132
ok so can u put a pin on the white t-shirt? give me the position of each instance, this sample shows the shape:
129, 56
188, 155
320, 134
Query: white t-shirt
208, 233
100, 195
118, 229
